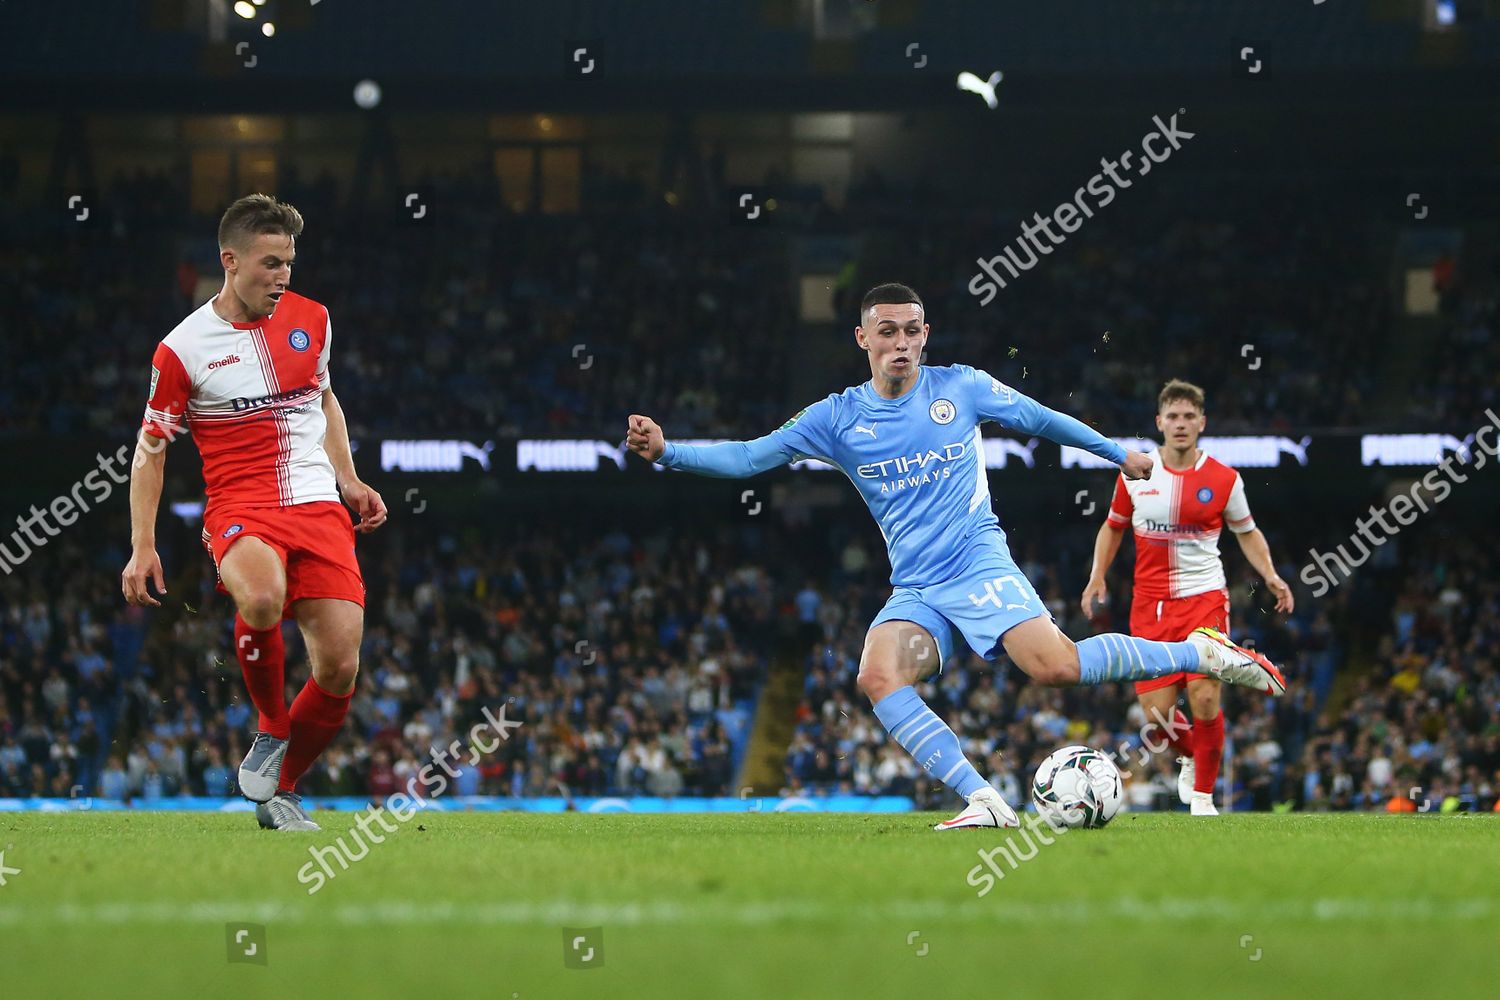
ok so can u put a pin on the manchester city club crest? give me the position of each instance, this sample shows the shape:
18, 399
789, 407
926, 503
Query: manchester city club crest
1205, 495
942, 411
299, 339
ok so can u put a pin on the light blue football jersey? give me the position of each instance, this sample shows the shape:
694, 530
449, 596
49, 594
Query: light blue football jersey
917, 461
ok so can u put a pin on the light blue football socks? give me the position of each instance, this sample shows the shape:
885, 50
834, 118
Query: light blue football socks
1116, 657
928, 739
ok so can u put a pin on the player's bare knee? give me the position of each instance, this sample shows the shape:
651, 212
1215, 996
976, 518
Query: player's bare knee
877, 678
261, 609
896, 655
1204, 700
336, 674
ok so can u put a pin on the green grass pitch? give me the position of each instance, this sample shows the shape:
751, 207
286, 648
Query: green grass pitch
752, 905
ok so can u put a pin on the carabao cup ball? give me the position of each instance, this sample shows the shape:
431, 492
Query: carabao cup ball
1077, 787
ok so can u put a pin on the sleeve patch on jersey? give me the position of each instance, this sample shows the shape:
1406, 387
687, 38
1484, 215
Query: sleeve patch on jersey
794, 418
155, 377
999, 388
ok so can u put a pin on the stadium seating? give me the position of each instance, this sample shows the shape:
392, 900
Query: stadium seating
536, 326
635, 660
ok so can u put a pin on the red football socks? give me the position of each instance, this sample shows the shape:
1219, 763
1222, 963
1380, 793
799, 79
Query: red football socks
1208, 752
262, 656
316, 718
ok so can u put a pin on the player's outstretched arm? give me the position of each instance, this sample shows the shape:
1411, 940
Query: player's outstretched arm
725, 460
147, 472
1018, 411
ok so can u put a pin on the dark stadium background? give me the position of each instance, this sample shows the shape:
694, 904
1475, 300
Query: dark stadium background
586, 252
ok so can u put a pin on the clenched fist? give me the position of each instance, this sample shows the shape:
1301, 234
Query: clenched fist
644, 437
1137, 465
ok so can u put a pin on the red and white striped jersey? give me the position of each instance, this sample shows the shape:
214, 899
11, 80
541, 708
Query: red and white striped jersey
1177, 515
251, 395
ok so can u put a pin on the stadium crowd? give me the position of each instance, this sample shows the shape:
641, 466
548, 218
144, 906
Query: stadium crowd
494, 323
1274, 302
631, 661
634, 661
1461, 370
559, 325
520, 325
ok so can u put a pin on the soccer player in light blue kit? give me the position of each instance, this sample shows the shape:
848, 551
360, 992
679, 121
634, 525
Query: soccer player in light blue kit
909, 441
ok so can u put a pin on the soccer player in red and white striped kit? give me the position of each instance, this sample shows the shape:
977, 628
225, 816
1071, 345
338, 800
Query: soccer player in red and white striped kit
247, 374
1178, 513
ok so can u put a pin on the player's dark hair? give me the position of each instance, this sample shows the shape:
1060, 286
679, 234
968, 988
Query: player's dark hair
1176, 390
892, 293
254, 215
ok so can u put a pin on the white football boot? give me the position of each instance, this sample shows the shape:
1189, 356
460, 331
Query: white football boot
1232, 663
1203, 804
985, 809
260, 773
1185, 779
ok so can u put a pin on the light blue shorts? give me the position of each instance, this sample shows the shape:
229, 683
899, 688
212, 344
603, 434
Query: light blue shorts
985, 601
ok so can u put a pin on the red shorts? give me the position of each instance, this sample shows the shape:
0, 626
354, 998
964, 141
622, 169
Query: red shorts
315, 542
1172, 621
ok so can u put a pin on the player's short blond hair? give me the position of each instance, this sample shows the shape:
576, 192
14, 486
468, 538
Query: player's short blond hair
1176, 390
254, 215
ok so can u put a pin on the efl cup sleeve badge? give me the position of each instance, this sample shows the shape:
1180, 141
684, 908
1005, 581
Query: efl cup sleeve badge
155, 377
794, 418
942, 411
299, 340
1205, 495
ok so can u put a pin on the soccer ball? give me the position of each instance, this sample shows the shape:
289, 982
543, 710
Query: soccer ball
1077, 787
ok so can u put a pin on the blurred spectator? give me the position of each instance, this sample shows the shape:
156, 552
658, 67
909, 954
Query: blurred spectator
633, 661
